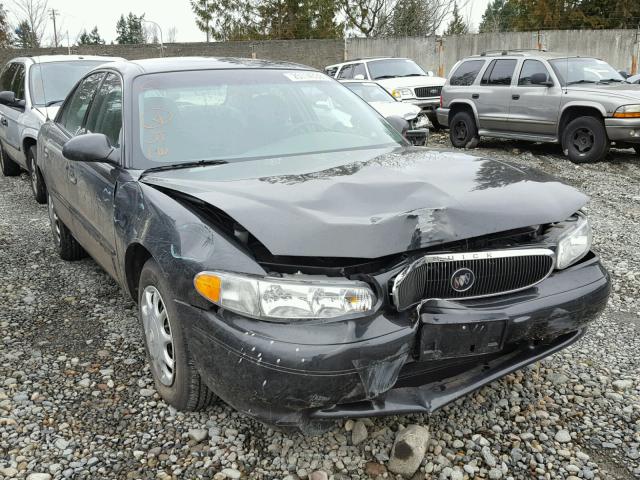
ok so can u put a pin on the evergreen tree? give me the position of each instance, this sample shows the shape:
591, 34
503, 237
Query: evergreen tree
92, 38
25, 37
6, 37
129, 30
457, 26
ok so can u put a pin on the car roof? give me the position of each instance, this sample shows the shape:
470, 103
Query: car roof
173, 64
65, 58
365, 59
523, 53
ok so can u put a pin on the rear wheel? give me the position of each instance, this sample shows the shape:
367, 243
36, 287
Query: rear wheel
176, 377
67, 246
37, 184
463, 131
9, 167
585, 140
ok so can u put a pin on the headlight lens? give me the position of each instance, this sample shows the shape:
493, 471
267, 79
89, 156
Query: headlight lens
575, 243
275, 298
628, 111
402, 93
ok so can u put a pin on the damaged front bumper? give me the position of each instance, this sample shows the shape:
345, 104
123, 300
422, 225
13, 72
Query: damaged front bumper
294, 374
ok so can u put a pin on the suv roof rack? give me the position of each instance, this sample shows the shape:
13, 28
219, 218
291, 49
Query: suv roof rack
513, 50
364, 58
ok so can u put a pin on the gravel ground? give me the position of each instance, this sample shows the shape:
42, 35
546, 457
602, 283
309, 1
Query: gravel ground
77, 399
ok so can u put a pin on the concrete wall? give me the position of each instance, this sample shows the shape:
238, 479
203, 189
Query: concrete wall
618, 47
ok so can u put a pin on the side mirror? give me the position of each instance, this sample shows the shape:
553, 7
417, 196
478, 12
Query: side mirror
399, 123
90, 147
7, 97
541, 79
358, 77
623, 74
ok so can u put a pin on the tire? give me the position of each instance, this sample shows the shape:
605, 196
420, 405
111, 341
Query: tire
68, 247
9, 167
585, 140
179, 385
463, 132
37, 182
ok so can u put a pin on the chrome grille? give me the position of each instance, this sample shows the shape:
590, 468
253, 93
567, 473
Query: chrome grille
495, 272
423, 92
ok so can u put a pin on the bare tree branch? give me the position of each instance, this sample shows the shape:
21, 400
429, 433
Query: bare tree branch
34, 13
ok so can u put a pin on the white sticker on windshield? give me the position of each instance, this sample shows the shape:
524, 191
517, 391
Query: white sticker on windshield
306, 76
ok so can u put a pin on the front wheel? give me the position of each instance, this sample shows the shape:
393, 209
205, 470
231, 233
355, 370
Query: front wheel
585, 140
37, 183
463, 132
174, 373
9, 167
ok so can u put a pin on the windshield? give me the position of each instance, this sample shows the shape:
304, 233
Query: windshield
370, 92
51, 82
394, 67
584, 70
241, 114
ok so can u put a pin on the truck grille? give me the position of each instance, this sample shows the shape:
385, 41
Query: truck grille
423, 92
470, 275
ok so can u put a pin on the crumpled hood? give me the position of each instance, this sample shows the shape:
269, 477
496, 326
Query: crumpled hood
407, 111
373, 203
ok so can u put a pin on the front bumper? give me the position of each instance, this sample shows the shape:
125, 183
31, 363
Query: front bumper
625, 130
297, 374
428, 105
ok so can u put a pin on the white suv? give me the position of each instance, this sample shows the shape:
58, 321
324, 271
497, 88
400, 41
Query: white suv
401, 77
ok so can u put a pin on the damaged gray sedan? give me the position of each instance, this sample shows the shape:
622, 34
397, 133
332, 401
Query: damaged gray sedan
305, 263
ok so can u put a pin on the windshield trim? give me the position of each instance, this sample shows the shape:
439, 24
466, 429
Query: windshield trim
556, 64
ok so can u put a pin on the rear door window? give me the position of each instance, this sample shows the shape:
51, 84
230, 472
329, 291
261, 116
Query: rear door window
466, 73
499, 73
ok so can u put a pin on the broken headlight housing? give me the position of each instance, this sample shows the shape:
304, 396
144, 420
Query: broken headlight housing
575, 243
271, 298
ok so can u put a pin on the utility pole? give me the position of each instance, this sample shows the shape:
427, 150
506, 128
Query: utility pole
53, 13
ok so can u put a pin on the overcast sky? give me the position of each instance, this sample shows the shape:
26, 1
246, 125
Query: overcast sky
76, 15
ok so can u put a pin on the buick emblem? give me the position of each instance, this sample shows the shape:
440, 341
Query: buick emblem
462, 280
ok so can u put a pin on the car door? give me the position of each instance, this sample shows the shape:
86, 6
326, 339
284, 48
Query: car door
96, 181
534, 108
10, 114
493, 97
61, 177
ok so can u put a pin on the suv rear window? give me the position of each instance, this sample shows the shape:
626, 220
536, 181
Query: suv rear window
499, 73
466, 73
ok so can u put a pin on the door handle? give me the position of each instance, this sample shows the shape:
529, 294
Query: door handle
515, 96
4, 122
475, 95
45, 152
71, 174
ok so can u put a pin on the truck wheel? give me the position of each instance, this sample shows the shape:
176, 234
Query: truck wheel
37, 183
463, 131
9, 167
175, 376
67, 246
585, 140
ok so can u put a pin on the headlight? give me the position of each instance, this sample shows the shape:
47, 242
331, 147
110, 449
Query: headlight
575, 243
402, 93
628, 111
276, 298
421, 121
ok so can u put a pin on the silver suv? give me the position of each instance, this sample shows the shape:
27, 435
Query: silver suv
31, 90
582, 103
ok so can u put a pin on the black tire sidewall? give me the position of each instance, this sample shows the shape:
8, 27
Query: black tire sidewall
9, 167
39, 193
178, 394
472, 131
601, 141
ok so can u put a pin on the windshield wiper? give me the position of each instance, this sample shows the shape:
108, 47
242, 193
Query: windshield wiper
414, 75
580, 81
179, 166
53, 102
382, 77
607, 80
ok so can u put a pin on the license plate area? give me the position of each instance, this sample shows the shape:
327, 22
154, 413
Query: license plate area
450, 340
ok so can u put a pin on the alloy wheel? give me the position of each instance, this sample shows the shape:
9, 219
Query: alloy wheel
157, 330
34, 175
55, 222
583, 140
